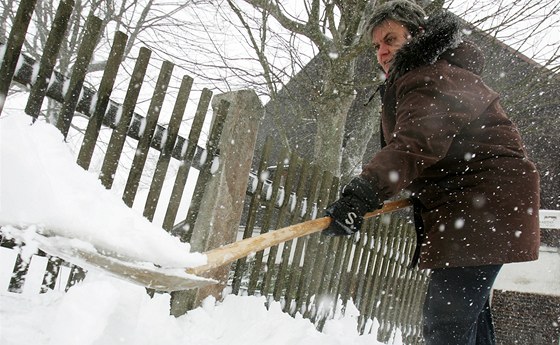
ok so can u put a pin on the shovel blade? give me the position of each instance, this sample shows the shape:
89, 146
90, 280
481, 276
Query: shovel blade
142, 273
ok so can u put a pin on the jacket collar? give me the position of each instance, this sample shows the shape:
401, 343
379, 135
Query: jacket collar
442, 33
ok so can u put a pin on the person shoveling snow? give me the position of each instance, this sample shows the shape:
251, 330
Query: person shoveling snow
53, 204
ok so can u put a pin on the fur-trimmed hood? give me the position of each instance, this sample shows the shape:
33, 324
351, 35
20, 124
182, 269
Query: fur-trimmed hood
442, 39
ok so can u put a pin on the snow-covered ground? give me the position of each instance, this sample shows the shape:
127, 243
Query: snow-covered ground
39, 191
103, 310
541, 276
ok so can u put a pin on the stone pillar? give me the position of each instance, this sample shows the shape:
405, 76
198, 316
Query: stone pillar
222, 204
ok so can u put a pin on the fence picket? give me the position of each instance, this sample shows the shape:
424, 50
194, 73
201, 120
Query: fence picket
398, 284
149, 127
350, 283
19, 270
385, 327
339, 268
333, 243
407, 260
85, 53
371, 304
48, 58
166, 151
380, 289
341, 286
19, 275
118, 137
185, 232
284, 270
366, 271
413, 320
317, 250
51, 272
309, 242
294, 271
186, 161
407, 295
102, 100
367, 259
283, 214
269, 205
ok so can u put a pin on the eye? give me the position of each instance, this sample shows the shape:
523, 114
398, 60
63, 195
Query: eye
390, 40
376, 47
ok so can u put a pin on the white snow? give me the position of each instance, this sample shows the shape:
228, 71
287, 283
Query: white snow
43, 187
541, 276
103, 310
44, 191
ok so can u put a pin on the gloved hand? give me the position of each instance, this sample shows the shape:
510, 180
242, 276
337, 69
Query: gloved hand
358, 198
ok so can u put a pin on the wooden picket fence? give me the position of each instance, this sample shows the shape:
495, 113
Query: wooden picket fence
317, 276
314, 276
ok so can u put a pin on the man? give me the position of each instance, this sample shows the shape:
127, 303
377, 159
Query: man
447, 141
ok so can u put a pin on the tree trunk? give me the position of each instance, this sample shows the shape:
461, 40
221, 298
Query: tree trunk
336, 98
363, 117
330, 133
361, 124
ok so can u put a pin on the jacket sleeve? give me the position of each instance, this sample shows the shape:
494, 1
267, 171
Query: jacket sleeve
433, 104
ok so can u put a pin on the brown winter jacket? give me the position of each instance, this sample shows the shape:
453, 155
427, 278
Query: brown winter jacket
449, 142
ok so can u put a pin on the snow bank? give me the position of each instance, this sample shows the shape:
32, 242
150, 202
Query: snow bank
104, 310
44, 189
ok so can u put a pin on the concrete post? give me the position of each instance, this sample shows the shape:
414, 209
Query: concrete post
222, 204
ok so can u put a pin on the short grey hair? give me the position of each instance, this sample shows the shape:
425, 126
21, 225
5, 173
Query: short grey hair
411, 15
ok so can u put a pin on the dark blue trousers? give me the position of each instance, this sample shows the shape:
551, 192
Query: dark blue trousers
457, 307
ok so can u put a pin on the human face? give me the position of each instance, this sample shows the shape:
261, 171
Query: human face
388, 37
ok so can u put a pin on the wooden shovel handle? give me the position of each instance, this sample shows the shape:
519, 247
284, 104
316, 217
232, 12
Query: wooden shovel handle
236, 250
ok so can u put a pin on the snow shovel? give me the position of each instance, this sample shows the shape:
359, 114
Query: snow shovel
236, 250
174, 279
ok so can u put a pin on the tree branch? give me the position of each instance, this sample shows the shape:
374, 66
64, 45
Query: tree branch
308, 29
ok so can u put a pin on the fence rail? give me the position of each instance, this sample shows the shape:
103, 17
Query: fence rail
305, 274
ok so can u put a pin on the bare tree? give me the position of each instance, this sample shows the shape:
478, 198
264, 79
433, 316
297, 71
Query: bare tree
136, 18
333, 28
527, 26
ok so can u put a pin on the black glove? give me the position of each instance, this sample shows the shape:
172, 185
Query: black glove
358, 198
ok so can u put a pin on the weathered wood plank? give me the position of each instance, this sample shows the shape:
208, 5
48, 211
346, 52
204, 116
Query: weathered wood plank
102, 100
149, 127
83, 58
186, 162
118, 136
48, 58
165, 154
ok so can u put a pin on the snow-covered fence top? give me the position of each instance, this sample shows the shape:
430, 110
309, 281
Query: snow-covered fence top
26, 74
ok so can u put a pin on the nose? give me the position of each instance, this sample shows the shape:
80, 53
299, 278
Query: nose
382, 50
